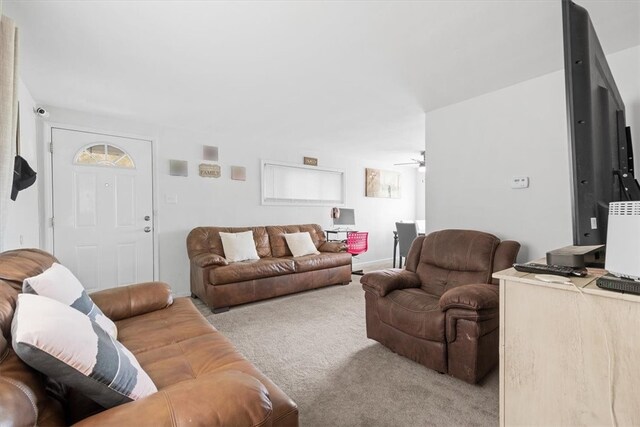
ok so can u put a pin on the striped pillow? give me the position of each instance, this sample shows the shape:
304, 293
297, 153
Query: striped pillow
58, 283
71, 348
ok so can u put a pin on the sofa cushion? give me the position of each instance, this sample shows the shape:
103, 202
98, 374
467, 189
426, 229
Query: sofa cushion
278, 242
88, 359
58, 283
451, 258
321, 261
207, 240
177, 344
239, 246
414, 312
250, 270
300, 244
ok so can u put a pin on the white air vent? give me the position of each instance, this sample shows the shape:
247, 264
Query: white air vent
623, 240
624, 208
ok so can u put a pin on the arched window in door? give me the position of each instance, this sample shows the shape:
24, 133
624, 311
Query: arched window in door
102, 154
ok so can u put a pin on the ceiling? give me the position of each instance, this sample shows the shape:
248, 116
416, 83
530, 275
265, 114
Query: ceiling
341, 74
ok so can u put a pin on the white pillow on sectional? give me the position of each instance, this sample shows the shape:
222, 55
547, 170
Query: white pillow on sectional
300, 244
58, 283
239, 246
71, 348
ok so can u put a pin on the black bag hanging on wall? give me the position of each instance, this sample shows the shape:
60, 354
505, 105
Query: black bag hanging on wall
23, 175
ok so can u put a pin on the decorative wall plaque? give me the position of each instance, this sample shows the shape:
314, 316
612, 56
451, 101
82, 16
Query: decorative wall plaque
311, 161
209, 171
239, 173
210, 153
178, 168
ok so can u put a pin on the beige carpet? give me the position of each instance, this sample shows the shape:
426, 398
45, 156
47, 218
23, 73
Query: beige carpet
314, 346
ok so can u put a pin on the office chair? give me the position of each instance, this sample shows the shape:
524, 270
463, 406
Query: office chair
407, 233
357, 243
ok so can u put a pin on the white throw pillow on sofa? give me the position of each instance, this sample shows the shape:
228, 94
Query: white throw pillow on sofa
59, 283
300, 244
239, 246
72, 348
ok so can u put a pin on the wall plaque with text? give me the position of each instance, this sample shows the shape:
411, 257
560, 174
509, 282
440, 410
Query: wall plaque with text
209, 171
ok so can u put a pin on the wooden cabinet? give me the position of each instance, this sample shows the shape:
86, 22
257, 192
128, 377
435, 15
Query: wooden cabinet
569, 355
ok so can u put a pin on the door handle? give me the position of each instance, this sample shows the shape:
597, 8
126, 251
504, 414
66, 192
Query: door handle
147, 229
147, 218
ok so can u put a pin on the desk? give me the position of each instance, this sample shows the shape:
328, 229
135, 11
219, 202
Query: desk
395, 246
336, 234
557, 345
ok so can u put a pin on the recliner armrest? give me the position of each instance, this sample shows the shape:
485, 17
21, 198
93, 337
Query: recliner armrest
383, 282
230, 398
334, 247
133, 300
208, 260
473, 297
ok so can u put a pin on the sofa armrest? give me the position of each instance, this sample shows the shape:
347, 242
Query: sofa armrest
230, 398
334, 247
384, 281
133, 300
472, 297
208, 260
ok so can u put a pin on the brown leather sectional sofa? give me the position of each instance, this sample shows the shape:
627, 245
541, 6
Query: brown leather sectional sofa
221, 284
201, 378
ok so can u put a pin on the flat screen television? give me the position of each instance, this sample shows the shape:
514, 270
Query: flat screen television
347, 217
600, 142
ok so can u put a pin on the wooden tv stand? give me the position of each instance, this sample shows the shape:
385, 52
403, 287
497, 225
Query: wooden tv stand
567, 358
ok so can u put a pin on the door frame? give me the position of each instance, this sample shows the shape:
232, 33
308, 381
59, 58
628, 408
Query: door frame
46, 228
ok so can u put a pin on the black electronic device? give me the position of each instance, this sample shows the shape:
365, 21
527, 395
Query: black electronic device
615, 283
601, 155
558, 270
577, 256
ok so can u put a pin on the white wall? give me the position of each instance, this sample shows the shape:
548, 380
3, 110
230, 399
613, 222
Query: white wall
223, 202
625, 66
22, 228
476, 146
420, 194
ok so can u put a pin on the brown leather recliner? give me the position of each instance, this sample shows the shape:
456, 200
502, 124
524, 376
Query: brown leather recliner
442, 309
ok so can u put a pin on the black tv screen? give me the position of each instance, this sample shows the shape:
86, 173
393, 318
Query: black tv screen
600, 152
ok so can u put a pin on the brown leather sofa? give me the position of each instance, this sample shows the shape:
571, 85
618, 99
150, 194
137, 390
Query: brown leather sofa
442, 309
201, 378
221, 284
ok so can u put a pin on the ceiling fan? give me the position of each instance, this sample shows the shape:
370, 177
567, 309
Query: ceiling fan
420, 162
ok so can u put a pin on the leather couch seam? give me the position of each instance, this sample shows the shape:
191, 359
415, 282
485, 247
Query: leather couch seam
286, 414
129, 297
23, 389
170, 408
193, 373
451, 269
5, 354
266, 418
408, 309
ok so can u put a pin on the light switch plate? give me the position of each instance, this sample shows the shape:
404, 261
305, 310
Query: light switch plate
518, 182
171, 199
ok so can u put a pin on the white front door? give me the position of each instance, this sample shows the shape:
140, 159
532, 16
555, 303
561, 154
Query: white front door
102, 207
